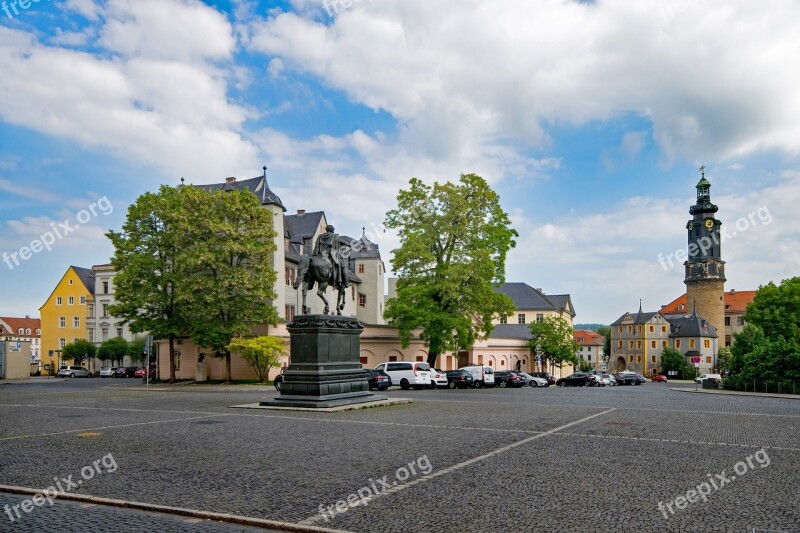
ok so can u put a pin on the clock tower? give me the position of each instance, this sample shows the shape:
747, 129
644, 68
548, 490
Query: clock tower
705, 269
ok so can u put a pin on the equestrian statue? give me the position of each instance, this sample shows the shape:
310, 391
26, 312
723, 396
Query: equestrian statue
326, 266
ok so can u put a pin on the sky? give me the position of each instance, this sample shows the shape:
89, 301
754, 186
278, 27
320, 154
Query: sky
590, 119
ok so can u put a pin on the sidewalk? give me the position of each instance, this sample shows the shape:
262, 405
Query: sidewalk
740, 393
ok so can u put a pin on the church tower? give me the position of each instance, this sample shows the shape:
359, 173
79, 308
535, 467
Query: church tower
705, 269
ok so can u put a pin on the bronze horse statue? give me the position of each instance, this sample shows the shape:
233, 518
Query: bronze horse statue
315, 269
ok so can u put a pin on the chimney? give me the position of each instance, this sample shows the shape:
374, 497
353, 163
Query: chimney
301, 212
230, 180
27, 316
733, 291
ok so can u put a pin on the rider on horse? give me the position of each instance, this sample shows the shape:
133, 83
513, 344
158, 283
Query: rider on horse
328, 246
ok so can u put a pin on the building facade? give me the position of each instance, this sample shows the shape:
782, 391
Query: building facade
25, 330
63, 315
637, 340
736, 303
591, 349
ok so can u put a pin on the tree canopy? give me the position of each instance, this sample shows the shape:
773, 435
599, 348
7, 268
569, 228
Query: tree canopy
113, 350
79, 350
262, 353
555, 337
454, 238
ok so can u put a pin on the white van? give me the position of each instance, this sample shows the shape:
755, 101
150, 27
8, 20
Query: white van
407, 374
482, 374
708, 376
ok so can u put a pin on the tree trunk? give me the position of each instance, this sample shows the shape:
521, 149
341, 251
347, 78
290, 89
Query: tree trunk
227, 366
432, 356
172, 359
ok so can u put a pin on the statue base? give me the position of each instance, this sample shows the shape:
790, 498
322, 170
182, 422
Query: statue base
325, 369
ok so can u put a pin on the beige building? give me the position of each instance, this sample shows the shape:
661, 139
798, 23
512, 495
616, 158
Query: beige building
27, 330
15, 359
735, 303
591, 348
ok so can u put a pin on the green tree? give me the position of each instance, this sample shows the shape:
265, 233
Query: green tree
148, 256
454, 238
80, 350
555, 337
262, 353
605, 331
113, 350
672, 359
136, 350
724, 358
230, 267
776, 310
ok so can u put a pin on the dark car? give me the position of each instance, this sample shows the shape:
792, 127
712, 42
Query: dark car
578, 379
124, 372
506, 378
629, 378
545, 375
378, 380
459, 378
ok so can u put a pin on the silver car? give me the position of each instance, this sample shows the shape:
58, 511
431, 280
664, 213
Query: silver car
106, 372
533, 381
73, 371
609, 379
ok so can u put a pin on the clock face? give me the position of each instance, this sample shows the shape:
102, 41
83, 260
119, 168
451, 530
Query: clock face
709, 223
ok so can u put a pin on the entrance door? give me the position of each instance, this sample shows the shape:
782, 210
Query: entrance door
621, 364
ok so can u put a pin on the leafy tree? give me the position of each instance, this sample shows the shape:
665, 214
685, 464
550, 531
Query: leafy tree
724, 358
555, 337
674, 360
776, 310
746, 342
584, 366
148, 257
229, 266
136, 350
262, 353
454, 238
605, 331
79, 350
113, 350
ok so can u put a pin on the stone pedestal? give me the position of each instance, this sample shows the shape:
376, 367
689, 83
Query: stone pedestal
325, 369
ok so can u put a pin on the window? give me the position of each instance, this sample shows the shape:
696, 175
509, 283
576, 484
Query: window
105, 334
90, 311
619, 330
638, 358
83, 300
630, 359
361, 268
619, 344
289, 312
58, 300
653, 344
639, 344
90, 334
652, 358
362, 299
70, 282
663, 329
71, 300
76, 322
504, 319
727, 321
521, 318
630, 345
663, 344
708, 359
707, 343
677, 343
539, 317
105, 287
290, 274
638, 329
691, 343
119, 332
588, 348
652, 329
21, 331
727, 340
682, 307
62, 321
105, 310
38, 332
62, 343
630, 329
739, 321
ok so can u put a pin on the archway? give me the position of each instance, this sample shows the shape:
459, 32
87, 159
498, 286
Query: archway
621, 365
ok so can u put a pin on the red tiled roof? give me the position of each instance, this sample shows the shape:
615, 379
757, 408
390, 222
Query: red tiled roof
585, 336
737, 300
25, 323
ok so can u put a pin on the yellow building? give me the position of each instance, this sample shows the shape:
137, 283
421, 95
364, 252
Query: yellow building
63, 315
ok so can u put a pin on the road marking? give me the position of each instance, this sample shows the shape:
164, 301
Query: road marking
316, 518
17, 437
677, 441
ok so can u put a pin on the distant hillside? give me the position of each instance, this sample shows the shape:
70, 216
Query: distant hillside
590, 327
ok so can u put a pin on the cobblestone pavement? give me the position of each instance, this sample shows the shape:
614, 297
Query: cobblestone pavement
575, 459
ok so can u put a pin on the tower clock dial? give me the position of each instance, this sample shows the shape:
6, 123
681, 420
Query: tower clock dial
709, 223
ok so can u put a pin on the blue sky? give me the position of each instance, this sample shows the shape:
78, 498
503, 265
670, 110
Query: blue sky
590, 120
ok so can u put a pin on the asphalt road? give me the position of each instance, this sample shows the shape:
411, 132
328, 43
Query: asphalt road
575, 459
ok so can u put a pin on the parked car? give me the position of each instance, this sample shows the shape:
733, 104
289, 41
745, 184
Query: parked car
124, 372
407, 374
140, 373
106, 372
438, 378
659, 377
483, 375
506, 378
629, 378
578, 379
545, 375
596, 380
278, 382
609, 379
73, 371
377, 379
533, 381
708, 376
459, 378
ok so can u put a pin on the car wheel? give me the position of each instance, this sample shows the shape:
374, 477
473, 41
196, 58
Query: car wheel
451, 385
503, 384
404, 384
72, 375
637, 383
478, 384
